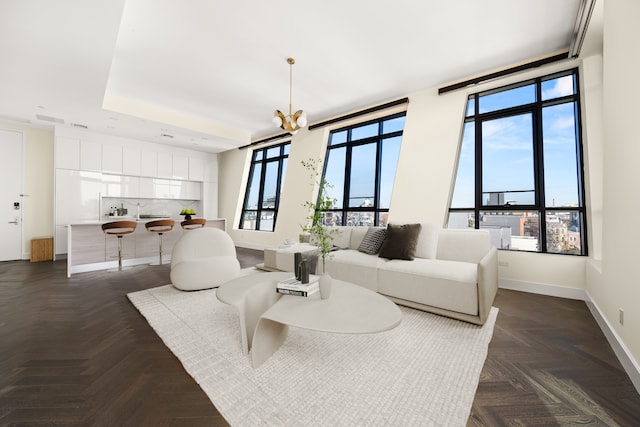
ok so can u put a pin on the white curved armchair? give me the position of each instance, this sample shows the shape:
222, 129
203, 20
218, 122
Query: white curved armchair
203, 258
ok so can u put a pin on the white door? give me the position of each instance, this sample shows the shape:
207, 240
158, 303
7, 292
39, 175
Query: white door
10, 195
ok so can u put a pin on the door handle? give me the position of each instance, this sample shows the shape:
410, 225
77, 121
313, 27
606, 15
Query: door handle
13, 222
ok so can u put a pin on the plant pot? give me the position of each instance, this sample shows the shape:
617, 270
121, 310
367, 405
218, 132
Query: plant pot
325, 283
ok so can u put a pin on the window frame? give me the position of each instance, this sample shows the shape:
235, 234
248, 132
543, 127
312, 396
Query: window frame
259, 157
349, 145
535, 108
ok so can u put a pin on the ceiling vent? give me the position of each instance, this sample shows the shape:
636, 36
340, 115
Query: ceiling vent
49, 119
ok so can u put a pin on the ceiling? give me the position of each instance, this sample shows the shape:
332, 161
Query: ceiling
208, 74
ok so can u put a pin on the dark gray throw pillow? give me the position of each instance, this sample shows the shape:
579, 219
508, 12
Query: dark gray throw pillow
400, 241
372, 241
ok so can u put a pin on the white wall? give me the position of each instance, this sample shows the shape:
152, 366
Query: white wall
616, 284
38, 184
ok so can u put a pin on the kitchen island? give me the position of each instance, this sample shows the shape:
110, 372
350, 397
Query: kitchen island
89, 249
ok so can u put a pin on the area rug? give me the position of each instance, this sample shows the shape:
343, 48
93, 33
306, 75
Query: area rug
424, 372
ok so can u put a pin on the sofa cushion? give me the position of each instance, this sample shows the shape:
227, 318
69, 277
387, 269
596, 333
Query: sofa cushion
450, 285
341, 236
355, 267
463, 245
357, 235
400, 241
427, 246
372, 241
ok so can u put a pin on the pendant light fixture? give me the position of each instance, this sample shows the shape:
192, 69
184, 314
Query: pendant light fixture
292, 121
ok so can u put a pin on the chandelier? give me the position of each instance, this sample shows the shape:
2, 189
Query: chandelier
292, 121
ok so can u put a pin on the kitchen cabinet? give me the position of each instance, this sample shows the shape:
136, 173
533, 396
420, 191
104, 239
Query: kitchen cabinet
67, 153
180, 167
90, 156
165, 165
131, 161
149, 163
191, 190
196, 169
111, 158
80, 199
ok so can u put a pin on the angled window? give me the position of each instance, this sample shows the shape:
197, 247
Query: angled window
360, 167
520, 171
262, 198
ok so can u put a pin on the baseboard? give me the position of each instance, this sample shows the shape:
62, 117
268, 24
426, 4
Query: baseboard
625, 357
623, 354
544, 289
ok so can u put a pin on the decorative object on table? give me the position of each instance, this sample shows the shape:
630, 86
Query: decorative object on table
297, 259
187, 213
294, 286
316, 227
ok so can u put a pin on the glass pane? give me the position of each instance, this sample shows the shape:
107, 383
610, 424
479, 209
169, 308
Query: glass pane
266, 221
364, 131
363, 176
560, 155
360, 218
563, 232
383, 219
248, 220
507, 98
287, 147
461, 220
471, 107
388, 165
507, 161
464, 186
512, 230
332, 218
273, 152
254, 187
393, 125
270, 186
258, 155
338, 137
557, 88
334, 174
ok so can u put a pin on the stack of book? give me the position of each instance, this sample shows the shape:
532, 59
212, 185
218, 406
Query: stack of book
293, 286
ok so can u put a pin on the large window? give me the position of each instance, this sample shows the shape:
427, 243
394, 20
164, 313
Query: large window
360, 168
520, 169
262, 197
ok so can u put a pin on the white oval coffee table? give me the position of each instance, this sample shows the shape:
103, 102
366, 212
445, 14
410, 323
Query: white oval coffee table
351, 309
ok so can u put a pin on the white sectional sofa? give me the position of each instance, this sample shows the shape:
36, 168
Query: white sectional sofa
454, 272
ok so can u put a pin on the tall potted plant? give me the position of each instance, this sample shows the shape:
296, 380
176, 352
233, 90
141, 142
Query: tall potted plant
316, 225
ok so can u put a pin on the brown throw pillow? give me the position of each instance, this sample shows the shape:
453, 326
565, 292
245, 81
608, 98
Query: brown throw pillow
400, 241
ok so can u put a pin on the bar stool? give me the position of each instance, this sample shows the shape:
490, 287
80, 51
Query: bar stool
119, 229
190, 224
160, 226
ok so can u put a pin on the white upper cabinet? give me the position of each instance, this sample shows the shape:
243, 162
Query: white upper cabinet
149, 163
67, 152
196, 169
180, 167
131, 161
111, 158
90, 156
165, 165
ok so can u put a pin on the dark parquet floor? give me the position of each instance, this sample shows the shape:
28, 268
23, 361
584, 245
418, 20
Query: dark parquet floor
74, 351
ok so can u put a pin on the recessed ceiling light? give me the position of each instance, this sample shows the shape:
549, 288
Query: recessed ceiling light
49, 119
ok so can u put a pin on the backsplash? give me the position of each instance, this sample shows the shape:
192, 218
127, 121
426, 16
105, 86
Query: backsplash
165, 207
